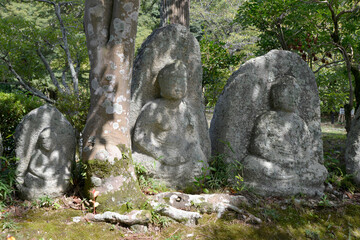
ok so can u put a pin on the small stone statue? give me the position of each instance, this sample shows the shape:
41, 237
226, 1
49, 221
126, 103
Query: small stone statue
165, 132
352, 150
45, 146
280, 160
44, 164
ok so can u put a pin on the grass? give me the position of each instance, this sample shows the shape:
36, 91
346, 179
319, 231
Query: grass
284, 222
58, 224
329, 217
281, 221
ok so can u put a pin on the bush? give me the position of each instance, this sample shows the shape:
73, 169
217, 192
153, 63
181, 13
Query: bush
13, 107
7, 179
74, 108
217, 63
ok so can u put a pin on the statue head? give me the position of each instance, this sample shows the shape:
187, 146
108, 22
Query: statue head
173, 81
285, 95
46, 139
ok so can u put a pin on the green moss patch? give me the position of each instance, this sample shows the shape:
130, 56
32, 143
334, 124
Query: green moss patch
288, 223
58, 224
104, 169
280, 221
128, 197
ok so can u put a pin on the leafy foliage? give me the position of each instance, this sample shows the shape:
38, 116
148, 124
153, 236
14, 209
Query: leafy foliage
31, 29
321, 32
224, 43
279, 22
333, 91
149, 19
13, 107
7, 178
147, 184
75, 108
334, 145
217, 65
218, 174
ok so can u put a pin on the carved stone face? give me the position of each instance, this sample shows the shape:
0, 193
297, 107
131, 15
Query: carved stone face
173, 81
46, 140
285, 96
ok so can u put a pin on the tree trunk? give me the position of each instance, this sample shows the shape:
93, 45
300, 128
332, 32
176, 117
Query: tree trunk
110, 28
175, 11
347, 117
356, 73
350, 105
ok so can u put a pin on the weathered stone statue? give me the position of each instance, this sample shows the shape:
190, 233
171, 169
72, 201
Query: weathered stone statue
165, 130
352, 152
280, 160
246, 101
45, 145
169, 128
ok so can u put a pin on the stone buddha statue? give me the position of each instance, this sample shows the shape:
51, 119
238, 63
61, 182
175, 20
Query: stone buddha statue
165, 133
280, 160
45, 168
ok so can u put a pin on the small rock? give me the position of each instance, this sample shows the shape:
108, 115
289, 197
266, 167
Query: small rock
96, 181
254, 220
333, 196
319, 194
337, 194
329, 188
139, 228
76, 219
297, 203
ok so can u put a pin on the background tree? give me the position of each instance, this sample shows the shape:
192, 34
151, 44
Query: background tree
148, 21
224, 44
344, 18
110, 28
175, 11
322, 32
40, 53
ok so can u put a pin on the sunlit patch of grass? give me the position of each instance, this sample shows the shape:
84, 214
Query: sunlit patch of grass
327, 127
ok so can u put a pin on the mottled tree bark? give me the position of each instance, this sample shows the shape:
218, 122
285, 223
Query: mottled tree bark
175, 11
110, 28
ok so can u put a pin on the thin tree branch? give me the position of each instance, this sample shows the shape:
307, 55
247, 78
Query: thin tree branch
317, 1
25, 85
78, 65
353, 10
10, 83
327, 65
57, 7
49, 69
60, 4
46, 1
63, 79
67, 51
